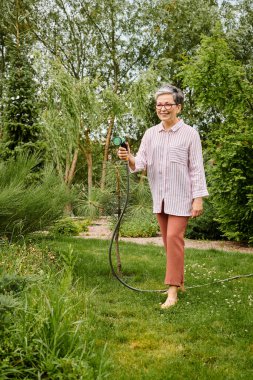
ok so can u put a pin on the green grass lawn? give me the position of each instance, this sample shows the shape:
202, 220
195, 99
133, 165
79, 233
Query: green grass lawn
208, 334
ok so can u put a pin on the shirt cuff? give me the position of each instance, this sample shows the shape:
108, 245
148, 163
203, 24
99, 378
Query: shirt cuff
200, 193
131, 170
138, 166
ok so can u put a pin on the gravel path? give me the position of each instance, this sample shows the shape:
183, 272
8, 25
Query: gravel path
100, 230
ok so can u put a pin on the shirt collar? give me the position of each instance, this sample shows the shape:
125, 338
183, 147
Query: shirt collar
175, 127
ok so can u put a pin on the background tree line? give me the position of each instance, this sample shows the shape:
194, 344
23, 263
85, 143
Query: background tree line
75, 73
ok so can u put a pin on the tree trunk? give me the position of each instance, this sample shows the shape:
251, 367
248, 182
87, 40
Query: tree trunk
88, 155
67, 166
89, 165
72, 169
69, 176
106, 152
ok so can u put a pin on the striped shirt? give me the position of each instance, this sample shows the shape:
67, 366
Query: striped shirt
174, 163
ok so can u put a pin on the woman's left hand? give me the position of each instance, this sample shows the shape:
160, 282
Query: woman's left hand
197, 207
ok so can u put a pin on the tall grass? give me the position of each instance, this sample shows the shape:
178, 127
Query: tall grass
26, 204
47, 333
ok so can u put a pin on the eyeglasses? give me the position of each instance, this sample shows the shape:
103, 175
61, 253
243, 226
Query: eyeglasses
167, 106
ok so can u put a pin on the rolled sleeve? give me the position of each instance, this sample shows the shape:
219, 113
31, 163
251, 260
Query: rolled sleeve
141, 156
196, 168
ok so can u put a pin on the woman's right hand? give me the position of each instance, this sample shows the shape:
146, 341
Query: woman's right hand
124, 153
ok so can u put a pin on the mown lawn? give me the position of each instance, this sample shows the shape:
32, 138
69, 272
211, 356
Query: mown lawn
207, 335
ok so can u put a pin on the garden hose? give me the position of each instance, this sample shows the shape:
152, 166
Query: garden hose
121, 142
116, 229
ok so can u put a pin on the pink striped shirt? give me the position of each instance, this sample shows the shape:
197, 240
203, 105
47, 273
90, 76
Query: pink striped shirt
174, 164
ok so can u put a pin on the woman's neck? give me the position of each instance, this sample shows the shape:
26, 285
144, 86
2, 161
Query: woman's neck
168, 124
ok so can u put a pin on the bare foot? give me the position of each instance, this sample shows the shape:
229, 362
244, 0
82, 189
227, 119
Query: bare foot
168, 303
172, 297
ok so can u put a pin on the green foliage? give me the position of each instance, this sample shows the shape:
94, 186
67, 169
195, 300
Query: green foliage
7, 304
103, 74
180, 26
69, 227
27, 206
20, 114
231, 178
65, 227
139, 225
91, 205
63, 320
103, 45
205, 226
88, 205
141, 93
214, 77
12, 283
138, 220
121, 35
238, 21
47, 332
72, 109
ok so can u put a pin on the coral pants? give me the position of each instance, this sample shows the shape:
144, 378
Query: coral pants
173, 228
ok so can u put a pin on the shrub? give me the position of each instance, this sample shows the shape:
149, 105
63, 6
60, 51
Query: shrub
140, 226
10, 286
8, 304
231, 177
12, 283
83, 224
213, 76
205, 226
69, 227
25, 206
65, 227
21, 131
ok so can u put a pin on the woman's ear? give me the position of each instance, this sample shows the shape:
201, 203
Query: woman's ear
179, 108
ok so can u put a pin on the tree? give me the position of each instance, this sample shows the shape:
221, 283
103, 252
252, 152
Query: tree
72, 111
238, 25
20, 116
181, 25
20, 113
108, 41
220, 86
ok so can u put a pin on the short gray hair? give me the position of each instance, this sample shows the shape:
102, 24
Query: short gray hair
177, 94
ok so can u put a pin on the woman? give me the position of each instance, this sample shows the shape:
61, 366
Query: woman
172, 154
